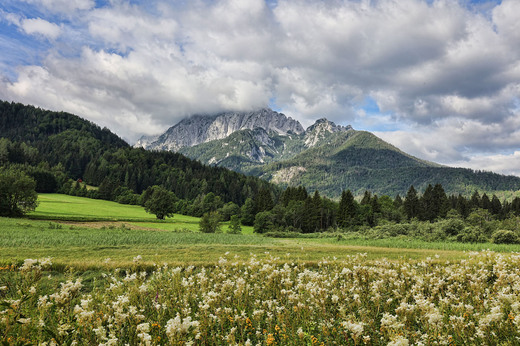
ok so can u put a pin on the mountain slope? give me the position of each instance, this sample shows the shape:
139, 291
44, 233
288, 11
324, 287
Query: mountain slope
329, 158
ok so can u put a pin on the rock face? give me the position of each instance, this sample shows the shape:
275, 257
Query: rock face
321, 128
202, 128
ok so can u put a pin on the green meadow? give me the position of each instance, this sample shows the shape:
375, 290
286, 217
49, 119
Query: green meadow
85, 233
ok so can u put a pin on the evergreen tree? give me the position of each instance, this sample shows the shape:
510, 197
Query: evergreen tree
398, 202
248, 213
428, 211
317, 211
411, 204
374, 203
263, 200
474, 202
440, 200
462, 206
496, 206
367, 197
485, 202
515, 206
348, 210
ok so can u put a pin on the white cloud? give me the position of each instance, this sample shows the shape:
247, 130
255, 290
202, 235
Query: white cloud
450, 74
33, 26
504, 164
456, 140
38, 26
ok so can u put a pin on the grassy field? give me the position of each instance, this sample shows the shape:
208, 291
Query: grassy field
98, 213
84, 233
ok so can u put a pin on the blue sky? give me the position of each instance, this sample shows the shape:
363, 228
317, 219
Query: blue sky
439, 79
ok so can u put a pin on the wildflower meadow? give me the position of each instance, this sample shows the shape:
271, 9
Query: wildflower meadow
355, 301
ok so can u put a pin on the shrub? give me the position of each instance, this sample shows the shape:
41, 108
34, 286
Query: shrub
234, 225
17, 193
471, 235
503, 236
210, 223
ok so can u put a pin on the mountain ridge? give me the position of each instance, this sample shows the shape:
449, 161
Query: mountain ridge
326, 157
199, 129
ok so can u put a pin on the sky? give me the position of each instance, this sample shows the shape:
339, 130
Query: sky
439, 79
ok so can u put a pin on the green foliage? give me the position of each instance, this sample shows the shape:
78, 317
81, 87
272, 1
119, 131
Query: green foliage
353, 159
248, 212
84, 151
161, 202
348, 210
210, 223
17, 193
503, 236
234, 225
229, 210
411, 204
263, 222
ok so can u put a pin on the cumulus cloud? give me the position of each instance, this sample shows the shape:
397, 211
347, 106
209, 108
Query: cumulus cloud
462, 142
38, 26
435, 69
34, 26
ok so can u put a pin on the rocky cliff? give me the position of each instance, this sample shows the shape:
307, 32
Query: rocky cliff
203, 128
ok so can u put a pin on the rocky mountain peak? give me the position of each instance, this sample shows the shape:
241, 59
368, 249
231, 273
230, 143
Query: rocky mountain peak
199, 129
320, 129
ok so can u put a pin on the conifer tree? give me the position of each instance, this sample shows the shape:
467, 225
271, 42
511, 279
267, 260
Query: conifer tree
398, 202
263, 200
348, 210
475, 200
248, 212
440, 201
485, 202
496, 206
367, 197
411, 204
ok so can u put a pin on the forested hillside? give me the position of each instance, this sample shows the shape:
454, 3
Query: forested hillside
58, 149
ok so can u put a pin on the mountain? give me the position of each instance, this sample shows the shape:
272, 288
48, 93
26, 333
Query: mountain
326, 157
202, 128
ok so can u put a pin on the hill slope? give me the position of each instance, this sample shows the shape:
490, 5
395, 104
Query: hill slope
66, 145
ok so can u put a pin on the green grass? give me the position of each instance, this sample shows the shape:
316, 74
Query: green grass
85, 248
63, 207
87, 232
70, 208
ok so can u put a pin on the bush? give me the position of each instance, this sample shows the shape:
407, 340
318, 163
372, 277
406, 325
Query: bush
452, 227
17, 193
471, 235
263, 222
210, 223
234, 225
503, 236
